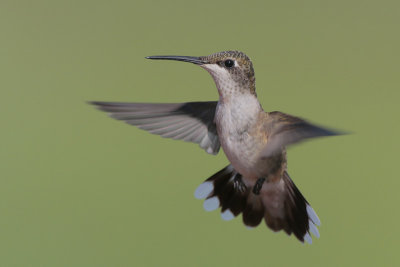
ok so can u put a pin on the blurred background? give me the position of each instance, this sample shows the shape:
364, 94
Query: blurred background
80, 189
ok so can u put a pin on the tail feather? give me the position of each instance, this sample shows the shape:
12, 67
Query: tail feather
296, 209
254, 211
232, 195
280, 203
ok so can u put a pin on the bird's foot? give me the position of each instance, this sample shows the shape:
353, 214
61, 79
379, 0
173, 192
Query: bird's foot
257, 187
238, 183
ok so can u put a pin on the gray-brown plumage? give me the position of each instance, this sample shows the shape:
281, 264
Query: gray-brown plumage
256, 182
192, 122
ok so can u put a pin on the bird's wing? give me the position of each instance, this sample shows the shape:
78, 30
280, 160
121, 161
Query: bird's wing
192, 122
285, 130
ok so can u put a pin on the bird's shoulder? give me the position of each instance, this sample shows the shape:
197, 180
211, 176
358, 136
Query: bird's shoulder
274, 121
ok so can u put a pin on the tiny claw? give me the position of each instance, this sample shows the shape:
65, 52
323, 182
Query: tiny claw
257, 187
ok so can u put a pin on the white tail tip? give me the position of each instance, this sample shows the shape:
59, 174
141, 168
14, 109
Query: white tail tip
204, 190
313, 229
227, 215
313, 216
307, 238
211, 204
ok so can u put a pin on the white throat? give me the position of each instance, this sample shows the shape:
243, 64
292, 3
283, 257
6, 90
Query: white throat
227, 87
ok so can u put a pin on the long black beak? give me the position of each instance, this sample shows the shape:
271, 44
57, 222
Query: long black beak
194, 60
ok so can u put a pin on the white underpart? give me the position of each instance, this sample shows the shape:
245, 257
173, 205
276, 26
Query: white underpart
313, 216
211, 204
227, 215
204, 190
222, 77
237, 112
234, 118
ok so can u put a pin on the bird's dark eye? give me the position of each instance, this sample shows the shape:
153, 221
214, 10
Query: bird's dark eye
229, 63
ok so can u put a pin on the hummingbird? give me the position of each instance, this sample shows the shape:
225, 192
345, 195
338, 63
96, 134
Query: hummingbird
256, 183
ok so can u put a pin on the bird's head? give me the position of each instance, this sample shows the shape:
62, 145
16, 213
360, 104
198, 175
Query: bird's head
232, 70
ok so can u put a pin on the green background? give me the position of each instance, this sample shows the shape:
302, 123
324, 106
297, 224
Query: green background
80, 189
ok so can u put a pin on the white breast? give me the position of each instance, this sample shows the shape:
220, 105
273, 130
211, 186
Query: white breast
234, 119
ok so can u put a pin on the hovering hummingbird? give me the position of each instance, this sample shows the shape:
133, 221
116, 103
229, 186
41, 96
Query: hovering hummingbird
256, 182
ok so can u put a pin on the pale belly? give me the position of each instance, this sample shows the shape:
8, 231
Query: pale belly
235, 128
242, 143
241, 152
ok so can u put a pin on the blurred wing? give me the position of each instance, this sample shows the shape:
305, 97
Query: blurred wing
284, 130
192, 122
